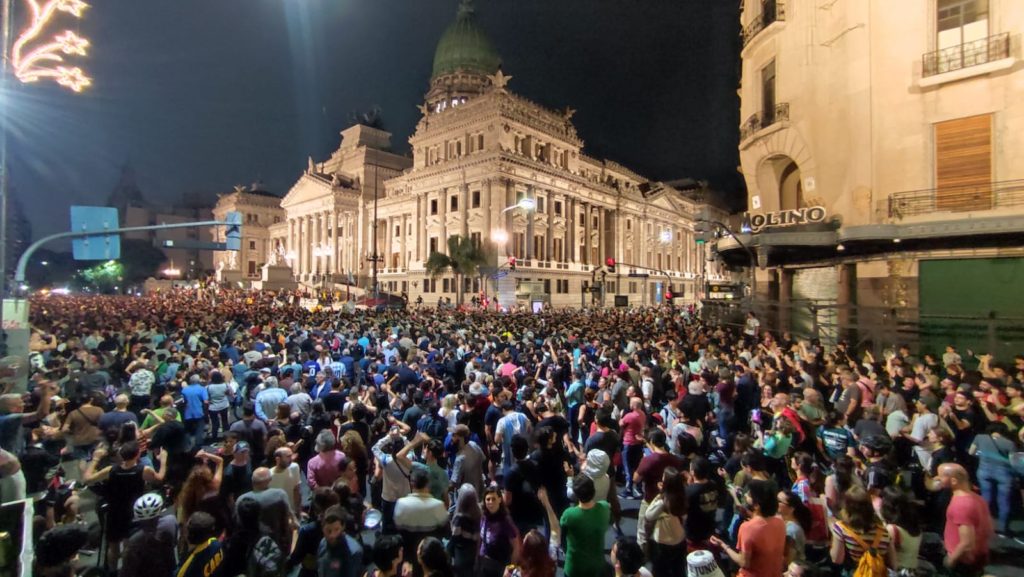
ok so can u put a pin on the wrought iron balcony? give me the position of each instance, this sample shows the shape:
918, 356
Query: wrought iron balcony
966, 55
764, 119
957, 199
771, 11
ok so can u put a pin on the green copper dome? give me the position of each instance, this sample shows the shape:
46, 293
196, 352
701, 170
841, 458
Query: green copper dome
463, 46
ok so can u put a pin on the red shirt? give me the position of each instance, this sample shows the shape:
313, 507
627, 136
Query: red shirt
763, 542
633, 427
969, 510
652, 468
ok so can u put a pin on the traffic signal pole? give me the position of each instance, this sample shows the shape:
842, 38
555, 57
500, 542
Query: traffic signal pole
19, 274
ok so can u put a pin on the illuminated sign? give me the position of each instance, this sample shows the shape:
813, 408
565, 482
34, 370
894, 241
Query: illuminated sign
782, 218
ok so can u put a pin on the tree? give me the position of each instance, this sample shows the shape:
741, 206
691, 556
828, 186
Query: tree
464, 258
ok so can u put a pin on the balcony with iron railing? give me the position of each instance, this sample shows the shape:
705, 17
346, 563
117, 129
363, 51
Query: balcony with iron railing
771, 12
989, 196
966, 55
761, 120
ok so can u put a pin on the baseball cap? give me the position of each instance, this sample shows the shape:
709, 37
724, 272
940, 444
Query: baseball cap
241, 446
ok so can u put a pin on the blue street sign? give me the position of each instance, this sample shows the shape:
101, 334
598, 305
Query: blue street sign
98, 219
500, 274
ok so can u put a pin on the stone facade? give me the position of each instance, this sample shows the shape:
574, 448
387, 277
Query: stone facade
902, 119
260, 210
477, 152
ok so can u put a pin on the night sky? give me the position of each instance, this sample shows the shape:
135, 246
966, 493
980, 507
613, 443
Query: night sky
201, 95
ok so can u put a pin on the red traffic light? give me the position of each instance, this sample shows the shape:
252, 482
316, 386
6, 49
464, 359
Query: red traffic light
512, 262
609, 261
668, 295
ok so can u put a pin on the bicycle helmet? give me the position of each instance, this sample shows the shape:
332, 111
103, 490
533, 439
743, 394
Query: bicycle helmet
148, 506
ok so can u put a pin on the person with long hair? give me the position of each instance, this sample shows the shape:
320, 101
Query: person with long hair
351, 443
857, 527
499, 538
902, 521
201, 492
797, 516
842, 479
465, 525
433, 559
534, 558
666, 533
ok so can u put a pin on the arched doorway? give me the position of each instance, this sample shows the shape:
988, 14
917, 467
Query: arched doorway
791, 191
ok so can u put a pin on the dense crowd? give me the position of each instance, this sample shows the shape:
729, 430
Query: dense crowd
224, 433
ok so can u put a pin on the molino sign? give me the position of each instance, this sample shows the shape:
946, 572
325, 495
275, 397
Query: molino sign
807, 215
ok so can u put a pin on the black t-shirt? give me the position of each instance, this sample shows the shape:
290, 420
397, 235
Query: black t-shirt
334, 401
492, 416
608, 442
237, 480
556, 422
171, 437
522, 482
701, 506
696, 407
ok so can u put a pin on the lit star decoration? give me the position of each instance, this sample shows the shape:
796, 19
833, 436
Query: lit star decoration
42, 60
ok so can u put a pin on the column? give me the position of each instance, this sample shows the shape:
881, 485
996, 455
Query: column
404, 258
570, 230
442, 243
587, 223
417, 244
549, 238
531, 253
510, 199
785, 298
464, 208
845, 300
486, 202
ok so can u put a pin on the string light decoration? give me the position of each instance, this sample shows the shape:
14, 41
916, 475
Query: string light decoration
32, 62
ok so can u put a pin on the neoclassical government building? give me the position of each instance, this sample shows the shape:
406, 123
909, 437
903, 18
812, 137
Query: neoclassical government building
477, 152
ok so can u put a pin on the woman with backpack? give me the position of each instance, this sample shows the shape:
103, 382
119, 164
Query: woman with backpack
664, 517
860, 543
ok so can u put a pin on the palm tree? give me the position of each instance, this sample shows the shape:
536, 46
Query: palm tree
464, 258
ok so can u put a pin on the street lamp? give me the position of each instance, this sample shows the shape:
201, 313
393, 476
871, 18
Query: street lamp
524, 203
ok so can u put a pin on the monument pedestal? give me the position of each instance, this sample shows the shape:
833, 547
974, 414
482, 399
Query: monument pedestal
275, 277
229, 275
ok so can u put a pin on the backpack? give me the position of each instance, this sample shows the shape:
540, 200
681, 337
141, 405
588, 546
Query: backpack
872, 562
265, 558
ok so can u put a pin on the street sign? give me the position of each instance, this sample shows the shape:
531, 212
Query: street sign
98, 219
638, 275
499, 274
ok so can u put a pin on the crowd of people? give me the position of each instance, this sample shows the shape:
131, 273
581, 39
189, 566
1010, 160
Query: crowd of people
224, 433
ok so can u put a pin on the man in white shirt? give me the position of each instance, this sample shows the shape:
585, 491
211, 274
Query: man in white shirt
419, 514
925, 420
285, 475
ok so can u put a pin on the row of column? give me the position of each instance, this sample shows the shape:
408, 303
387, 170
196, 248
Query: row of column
312, 233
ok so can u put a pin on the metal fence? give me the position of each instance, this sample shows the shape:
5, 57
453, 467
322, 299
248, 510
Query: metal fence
876, 328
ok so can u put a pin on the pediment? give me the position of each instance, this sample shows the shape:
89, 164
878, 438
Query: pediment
305, 190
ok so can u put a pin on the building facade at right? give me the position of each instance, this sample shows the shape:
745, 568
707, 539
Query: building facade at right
882, 144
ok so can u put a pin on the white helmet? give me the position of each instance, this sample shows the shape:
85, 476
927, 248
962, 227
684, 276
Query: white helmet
148, 506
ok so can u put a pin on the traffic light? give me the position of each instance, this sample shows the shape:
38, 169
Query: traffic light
668, 294
609, 263
512, 263
703, 232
